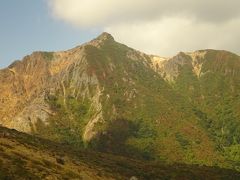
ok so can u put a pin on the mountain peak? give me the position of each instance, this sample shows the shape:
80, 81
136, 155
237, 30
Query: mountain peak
105, 36
101, 40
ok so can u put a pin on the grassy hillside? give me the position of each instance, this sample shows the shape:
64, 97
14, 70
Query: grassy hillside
27, 157
214, 96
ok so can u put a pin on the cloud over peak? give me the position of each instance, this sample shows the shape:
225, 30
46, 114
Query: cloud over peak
167, 25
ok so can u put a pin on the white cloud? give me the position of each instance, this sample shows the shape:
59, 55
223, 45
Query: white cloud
158, 26
168, 36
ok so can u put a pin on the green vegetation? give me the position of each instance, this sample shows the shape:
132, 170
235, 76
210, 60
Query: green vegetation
182, 141
215, 98
68, 122
158, 117
48, 56
28, 157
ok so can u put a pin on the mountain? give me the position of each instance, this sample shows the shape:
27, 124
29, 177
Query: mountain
27, 157
108, 97
210, 80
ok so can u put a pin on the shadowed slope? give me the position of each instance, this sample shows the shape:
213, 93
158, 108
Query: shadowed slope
27, 157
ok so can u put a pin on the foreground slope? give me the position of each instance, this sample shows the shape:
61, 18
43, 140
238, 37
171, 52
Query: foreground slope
27, 157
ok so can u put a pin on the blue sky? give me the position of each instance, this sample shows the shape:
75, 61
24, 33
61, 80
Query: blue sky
27, 26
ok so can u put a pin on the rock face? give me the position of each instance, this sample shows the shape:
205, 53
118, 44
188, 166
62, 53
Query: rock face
110, 97
27, 84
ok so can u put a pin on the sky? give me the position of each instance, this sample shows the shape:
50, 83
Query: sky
28, 25
161, 27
